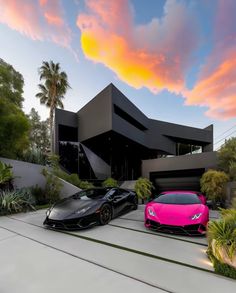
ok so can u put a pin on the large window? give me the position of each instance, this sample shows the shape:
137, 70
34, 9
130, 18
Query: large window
187, 149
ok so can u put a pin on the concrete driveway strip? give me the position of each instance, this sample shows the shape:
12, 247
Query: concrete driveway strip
188, 253
139, 226
30, 267
162, 274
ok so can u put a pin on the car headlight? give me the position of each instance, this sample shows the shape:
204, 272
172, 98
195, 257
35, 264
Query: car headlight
48, 212
84, 210
196, 216
151, 212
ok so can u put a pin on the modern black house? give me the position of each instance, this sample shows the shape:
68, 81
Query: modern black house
110, 136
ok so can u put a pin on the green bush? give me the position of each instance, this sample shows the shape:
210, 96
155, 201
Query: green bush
213, 184
39, 195
227, 157
6, 175
110, 182
15, 201
35, 156
53, 186
73, 179
86, 185
143, 188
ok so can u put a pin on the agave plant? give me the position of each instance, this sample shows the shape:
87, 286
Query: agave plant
222, 236
15, 201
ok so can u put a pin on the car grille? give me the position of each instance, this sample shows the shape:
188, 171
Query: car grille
179, 230
73, 224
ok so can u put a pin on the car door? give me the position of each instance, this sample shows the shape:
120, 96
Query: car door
119, 200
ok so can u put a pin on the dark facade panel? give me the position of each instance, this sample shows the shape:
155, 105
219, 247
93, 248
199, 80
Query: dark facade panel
95, 117
205, 161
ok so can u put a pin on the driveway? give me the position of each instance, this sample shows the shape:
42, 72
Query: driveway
122, 256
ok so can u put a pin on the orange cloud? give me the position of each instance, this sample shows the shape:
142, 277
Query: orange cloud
216, 86
217, 91
153, 55
39, 20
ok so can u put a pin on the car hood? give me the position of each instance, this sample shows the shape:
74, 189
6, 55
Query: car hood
68, 208
171, 214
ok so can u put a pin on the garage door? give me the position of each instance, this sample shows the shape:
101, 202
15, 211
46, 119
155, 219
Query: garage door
177, 180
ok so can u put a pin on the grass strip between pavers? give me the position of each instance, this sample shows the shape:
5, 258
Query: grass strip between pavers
122, 248
158, 234
135, 251
84, 259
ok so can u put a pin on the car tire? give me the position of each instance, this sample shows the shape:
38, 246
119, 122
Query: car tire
105, 214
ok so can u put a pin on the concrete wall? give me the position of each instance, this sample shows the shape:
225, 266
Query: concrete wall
206, 160
28, 174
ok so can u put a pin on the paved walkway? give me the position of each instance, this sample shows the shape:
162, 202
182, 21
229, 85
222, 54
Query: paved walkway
122, 256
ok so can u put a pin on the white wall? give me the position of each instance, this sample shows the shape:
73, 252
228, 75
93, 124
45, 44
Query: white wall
28, 174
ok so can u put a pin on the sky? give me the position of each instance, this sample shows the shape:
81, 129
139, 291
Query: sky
174, 59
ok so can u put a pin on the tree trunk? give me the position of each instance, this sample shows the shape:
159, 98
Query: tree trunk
51, 130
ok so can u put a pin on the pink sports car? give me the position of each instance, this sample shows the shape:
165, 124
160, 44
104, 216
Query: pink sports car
178, 212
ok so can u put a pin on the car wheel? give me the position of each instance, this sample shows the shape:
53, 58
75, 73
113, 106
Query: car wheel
105, 214
135, 206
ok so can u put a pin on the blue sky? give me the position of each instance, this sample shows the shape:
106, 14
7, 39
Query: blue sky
185, 40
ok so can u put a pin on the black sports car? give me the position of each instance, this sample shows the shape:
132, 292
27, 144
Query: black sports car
90, 207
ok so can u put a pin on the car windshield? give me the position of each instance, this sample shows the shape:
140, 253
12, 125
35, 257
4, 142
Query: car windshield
94, 193
178, 198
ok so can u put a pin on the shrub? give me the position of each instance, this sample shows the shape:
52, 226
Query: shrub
53, 186
227, 157
15, 201
39, 195
143, 188
6, 176
212, 184
110, 182
73, 179
35, 156
86, 185
234, 203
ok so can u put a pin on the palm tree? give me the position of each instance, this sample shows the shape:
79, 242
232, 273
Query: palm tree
53, 90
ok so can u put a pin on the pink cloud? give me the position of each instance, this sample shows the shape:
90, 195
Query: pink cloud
216, 86
153, 55
38, 20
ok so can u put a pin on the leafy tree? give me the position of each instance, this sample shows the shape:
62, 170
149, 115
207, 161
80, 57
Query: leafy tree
110, 182
11, 84
227, 157
39, 132
14, 125
14, 129
213, 183
53, 90
143, 188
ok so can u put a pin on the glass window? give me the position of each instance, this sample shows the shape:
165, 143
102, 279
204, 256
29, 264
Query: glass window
178, 198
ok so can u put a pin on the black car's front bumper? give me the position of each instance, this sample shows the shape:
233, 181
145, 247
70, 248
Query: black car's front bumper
190, 230
72, 224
